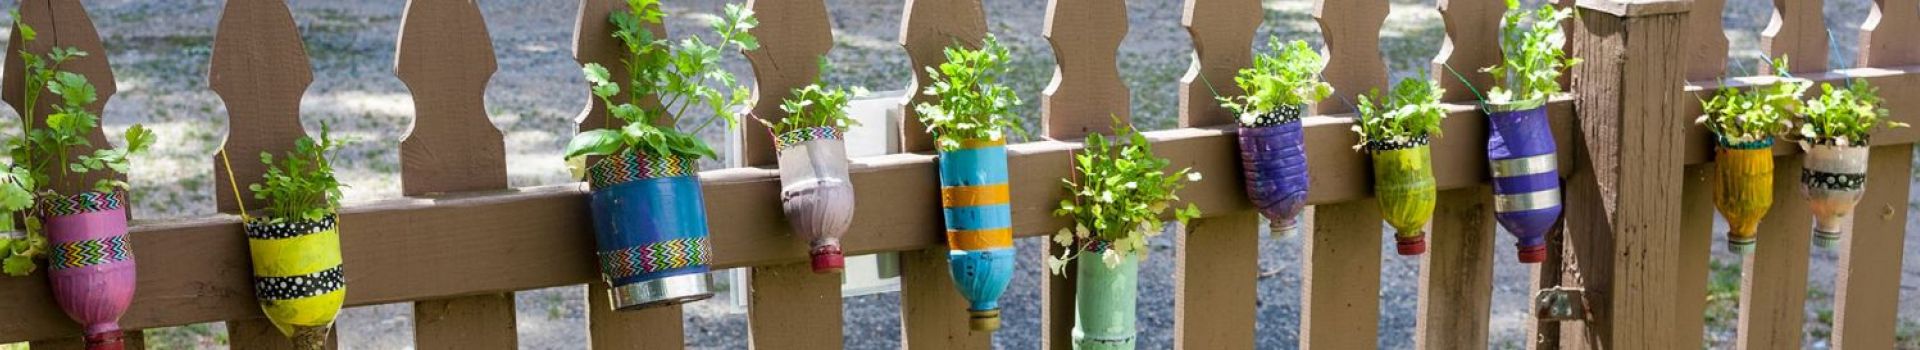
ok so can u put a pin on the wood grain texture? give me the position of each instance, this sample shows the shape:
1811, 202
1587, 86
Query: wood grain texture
1086, 93
932, 313
1798, 30
260, 333
75, 30
1216, 270
790, 307
1773, 280
658, 328
1706, 41
1340, 298
1870, 256
1222, 33
794, 36
260, 70
1456, 276
1352, 32
928, 27
1884, 38
445, 58
1473, 42
1696, 253
465, 323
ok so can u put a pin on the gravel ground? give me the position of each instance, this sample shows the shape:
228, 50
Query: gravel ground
160, 52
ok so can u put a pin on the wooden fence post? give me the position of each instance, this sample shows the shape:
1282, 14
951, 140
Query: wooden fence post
1217, 262
1084, 97
1336, 311
1624, 203
1870, 256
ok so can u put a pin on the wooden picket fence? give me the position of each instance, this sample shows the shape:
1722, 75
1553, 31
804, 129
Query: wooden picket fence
1636, 239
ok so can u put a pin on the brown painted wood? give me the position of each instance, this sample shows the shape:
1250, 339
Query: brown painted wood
932, 313
1352, 32
1216, 270
1222, 33
260, 333
445, 57
1473, 42
1773, 280
135, 340
470, 322
1893, 18
1086, 92
790, 307
1623, 211
1868, 284
1696, 252
1706, 41
1799, 31
75, 30
647, 329
927, 27
1340, 299
260, 70
1456, 277
794, 36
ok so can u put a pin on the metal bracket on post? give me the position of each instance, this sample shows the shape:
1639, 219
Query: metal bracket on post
1560, 304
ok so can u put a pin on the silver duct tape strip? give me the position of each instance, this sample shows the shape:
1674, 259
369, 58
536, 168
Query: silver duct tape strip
1506, 203
1539, 164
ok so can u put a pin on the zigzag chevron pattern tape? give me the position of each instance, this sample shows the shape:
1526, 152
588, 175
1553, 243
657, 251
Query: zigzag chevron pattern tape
90, 252
656, 257
85, 202
795, 137
623, 168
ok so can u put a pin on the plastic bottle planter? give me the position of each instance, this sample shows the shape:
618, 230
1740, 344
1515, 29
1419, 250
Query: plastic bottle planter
973, 192
297, 276
650, 226
1103, 313
815, 192
91, 263
1834, 179
1526, 176
1275, 163
1745, 190
1403, 182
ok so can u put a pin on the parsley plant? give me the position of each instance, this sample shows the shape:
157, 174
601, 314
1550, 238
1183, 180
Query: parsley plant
677, 73
1119, 192
1532, 54
970, 102
301, 185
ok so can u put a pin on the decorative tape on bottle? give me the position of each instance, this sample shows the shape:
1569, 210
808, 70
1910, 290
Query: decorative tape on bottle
85, 202
1536, 200
782, 141
1280, 115
302, 286
1832, 181
264, 229
1377, 146
89, 252
1524, 166
654, 257
630, 166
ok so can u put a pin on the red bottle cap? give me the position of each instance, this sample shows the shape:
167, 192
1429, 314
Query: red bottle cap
1412, 246
828, 260
1533, 255
105, 341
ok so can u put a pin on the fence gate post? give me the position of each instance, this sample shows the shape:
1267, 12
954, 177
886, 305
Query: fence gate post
1623, 194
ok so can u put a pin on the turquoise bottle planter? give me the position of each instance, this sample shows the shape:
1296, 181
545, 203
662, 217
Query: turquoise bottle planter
1103, 313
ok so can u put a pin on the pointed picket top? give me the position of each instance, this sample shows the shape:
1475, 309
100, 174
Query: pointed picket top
260, 70
75, 30
446, 58
1895, 22
1706, 41
593, 42
794, 37
927, 28
1799, 31
1473, 42
1222, 33
1086, 92
1352, 32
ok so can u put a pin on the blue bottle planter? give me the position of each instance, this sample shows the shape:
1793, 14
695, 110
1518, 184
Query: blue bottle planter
974, 199
1526, 175
650, 226
1274, 161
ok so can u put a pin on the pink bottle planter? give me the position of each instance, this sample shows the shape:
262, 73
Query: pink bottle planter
91, 263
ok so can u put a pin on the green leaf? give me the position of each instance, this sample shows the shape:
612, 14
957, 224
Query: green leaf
18, 265
594, 142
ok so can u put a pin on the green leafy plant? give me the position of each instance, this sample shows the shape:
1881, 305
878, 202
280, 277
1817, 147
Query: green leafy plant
1757, 113
46, 157
301, 185
970, 102
1533, 55
814, 106
1286, 75
1119, 192
1410, 115
1845, 117
677, 73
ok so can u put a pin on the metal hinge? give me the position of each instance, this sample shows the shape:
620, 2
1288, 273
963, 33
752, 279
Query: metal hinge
1560, 304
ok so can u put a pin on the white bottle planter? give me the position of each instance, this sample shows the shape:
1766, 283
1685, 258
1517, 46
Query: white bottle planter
1834, 178
816, 193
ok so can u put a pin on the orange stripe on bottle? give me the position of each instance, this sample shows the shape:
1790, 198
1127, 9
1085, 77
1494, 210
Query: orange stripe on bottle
980, 239
967, 196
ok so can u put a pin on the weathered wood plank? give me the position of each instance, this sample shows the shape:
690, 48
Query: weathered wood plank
928, 300
469, 322
790, 307
658, 328
1773, 280
1086, 96
794, 36
1352, 32
1870, 256
1696, 252
260, 70
1892, 20
1456, 276
1222, 33
1706, 41
1473, 32
260, 333
1798, 31
75, 30
1216, 267
1340, 298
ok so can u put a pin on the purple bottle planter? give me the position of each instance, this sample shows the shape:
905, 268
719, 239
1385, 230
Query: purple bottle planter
90, 264
1526, 176
1274, 161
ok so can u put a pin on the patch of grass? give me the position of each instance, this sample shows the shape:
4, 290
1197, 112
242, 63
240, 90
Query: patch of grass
1907, 335
191, 336
14, 346
1723, 294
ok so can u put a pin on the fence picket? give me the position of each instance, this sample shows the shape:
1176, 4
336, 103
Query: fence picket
445, 57
1706, 41
658, 328
1217, 262
928, 27
1086, 95
260, 333
1340, 305
1696, 251
1473, 32
260, 70
1892, 19
794, 35
1456, 276
1773, 281
1799, 31
1352, 33
790, 307
1871, 254
933, 314
1223, 36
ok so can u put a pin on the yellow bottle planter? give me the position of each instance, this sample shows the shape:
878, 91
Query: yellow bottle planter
1403, 183
1745, 190
297, 276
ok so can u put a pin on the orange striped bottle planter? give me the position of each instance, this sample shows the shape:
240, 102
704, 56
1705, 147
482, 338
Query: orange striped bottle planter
979, 220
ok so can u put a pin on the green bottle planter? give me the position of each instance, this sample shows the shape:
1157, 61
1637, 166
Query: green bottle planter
1103, 313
